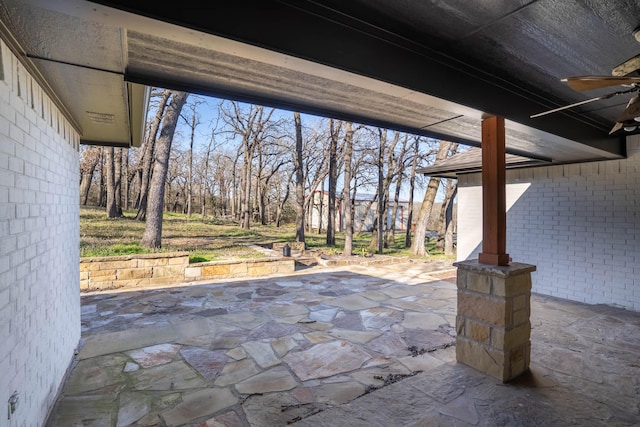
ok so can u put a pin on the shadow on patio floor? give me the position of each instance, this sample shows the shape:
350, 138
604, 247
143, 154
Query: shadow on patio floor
357, 345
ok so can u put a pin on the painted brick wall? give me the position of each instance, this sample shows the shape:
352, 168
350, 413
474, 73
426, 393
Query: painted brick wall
39, 250
579, 224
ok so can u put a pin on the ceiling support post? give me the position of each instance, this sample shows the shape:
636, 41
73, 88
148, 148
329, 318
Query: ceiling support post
494, 205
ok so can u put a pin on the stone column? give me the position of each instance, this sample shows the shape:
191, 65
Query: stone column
493, 328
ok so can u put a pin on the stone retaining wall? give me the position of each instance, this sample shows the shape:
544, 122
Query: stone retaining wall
130, 271
239, 268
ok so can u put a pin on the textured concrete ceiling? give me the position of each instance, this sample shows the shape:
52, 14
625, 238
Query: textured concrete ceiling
430, 68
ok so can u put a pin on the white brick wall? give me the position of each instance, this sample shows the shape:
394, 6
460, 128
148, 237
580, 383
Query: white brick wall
39, 249
579, 224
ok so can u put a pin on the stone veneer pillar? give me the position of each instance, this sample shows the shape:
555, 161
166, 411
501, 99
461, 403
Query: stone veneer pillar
493, 328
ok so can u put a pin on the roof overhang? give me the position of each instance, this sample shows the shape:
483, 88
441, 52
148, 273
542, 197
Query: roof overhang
372, 62
470, 161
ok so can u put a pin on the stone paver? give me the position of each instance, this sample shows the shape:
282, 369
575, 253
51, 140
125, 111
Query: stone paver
327, 346
326, 360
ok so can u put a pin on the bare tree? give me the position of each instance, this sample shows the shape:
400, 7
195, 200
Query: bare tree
112, 207
386, 155
253, 126
205, 169
89, 159
192, 120
365, 214
399, 163
283, 198
299, 172
152, 237
347, 205
320, 206
417, 248
412, 182
334, 130
270, 159
236, 184
364, 172
203, 177
149, 154
117, 171
312, 159
126, 179
102, 194
448, 235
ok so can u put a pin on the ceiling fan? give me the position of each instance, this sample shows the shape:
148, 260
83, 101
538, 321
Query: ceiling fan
626, 74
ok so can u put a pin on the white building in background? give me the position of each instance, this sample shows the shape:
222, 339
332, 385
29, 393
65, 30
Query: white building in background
365, 211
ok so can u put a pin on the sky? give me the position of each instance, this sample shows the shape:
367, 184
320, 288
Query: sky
208, 112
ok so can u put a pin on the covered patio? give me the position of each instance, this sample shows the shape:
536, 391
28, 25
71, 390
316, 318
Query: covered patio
356, 346
78, 72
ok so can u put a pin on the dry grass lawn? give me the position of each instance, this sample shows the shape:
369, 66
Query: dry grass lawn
206, 239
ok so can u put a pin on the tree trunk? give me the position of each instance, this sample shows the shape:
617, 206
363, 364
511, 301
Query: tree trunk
333, 178
297, 162
190, 170
346, 192
125, 182
203, 184
450, 188
381, 200
176, 199
417, 248
145, 179
246, 193
365, 214
90, 159
236, 188
283, 202
448, 194
261, 195
102, 197
384, 182
148, 159
117, 170
399, 171
448, 235
85, 185
391, 239
261, 188
138, 174
321, 209
152, 237
112, 207
412, 185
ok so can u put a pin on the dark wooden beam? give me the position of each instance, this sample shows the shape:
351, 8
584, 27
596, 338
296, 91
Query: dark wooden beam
494, 204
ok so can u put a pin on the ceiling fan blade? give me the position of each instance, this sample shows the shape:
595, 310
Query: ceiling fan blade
615, 128
572, 105
632, 112
583, 83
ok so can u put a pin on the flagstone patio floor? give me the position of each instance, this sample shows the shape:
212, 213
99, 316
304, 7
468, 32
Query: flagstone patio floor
340, 346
